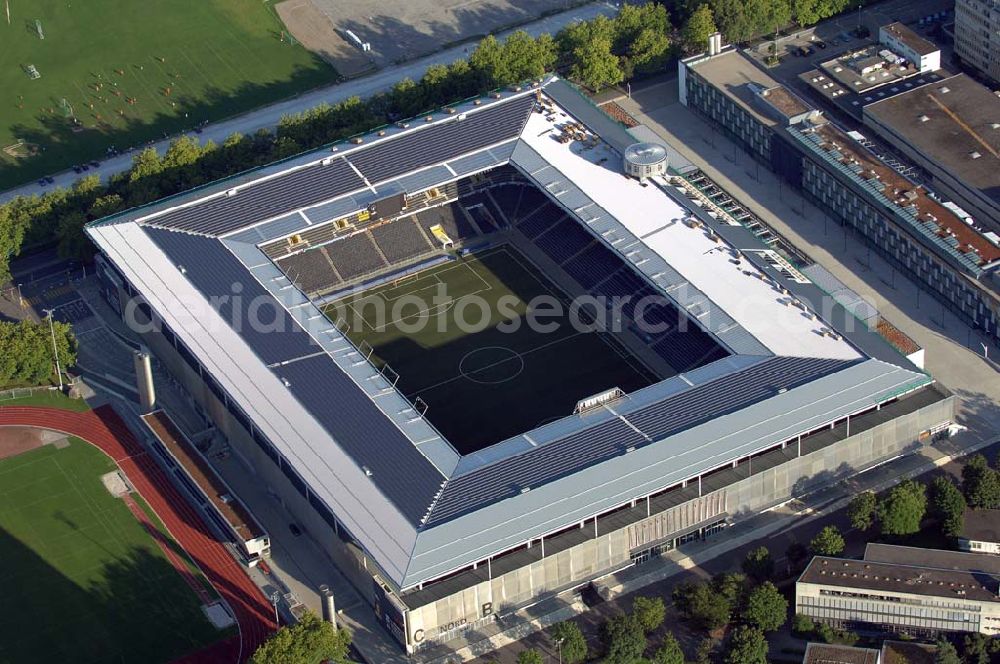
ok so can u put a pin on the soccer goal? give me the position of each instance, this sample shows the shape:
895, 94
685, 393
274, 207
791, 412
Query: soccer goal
38, 29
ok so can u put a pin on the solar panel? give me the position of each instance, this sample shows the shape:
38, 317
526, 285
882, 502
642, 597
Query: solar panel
224, 280
443, 141
504, 479
401, 472
350, 416
256, 202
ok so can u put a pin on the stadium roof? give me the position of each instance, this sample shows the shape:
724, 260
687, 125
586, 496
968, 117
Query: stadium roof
416, 506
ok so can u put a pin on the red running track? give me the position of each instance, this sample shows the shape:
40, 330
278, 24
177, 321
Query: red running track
104, 429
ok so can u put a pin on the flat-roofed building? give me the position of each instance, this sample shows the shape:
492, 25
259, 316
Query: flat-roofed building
951, 130
924, 55
829, 653
922, 236
872, 597
980, 532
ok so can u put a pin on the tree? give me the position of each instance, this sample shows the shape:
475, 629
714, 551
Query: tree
796, 553
948, 505
802, 624
26, 351
730, 585
861, 510
746, 645
649, 612
530, 656
766, 609
806, 12
977, 648
946, 653
758, 564
572, 644
697, 29
706, 651
524, 57
309, 641
595, 65
902, 510
487, 61
73, 243
642, 37
624, 640
703, 605
828, 542
980, 483
731, 17
669, 651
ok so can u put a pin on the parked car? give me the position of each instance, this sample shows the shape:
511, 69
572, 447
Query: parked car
49, 179
820, 43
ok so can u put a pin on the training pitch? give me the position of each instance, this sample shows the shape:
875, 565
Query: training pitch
181, 63
484, 382
83, 581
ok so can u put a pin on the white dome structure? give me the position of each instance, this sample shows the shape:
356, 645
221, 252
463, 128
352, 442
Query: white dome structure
643, 160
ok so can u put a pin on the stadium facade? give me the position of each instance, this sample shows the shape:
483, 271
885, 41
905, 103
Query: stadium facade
769, 388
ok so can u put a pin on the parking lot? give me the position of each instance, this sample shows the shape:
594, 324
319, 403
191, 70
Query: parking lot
806, 49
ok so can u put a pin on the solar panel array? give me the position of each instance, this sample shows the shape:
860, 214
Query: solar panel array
217, 273
400, 471
442, 141
506, 478
406, 477
256, 202
383, 160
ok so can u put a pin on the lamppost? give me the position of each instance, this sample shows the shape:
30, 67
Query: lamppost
274, 602
55, 351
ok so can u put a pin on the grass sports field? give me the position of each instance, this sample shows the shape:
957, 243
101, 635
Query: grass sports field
483, 382
217, 57
82, 580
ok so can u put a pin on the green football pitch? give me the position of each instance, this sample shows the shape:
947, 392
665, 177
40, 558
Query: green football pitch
82, 579
457, 335
181, 62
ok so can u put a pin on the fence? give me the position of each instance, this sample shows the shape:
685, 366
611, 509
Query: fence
21, 392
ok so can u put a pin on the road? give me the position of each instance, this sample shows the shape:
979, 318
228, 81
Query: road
267, 117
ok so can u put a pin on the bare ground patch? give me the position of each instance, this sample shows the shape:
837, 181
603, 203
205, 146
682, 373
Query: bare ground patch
18, 440
314, 30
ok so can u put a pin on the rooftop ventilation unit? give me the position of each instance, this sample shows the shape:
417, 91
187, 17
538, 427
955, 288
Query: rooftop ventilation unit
643, 160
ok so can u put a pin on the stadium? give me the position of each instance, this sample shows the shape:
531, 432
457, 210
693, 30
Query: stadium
483, 364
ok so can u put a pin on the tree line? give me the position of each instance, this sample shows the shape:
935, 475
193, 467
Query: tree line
26, 352
598, 53
604, 51
901, 510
